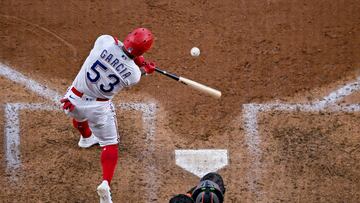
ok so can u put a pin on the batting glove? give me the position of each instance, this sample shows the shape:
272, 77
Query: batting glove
67, 105
139, 61
149, 67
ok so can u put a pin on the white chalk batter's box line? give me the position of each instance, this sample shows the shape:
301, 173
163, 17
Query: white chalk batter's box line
12, 136
12, 126
253, 138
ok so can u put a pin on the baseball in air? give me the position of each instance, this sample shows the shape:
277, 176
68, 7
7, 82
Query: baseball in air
195, 51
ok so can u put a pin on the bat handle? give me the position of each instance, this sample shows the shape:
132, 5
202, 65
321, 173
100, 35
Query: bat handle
170, 75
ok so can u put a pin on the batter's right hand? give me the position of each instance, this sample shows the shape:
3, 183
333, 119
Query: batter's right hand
149, 67
67, 105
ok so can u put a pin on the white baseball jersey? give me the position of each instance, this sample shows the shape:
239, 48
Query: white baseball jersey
106, 70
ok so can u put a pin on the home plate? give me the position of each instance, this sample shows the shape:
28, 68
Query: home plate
203, 161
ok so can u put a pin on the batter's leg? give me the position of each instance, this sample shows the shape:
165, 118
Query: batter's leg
108, 140
105, 129
109, 158
87, 138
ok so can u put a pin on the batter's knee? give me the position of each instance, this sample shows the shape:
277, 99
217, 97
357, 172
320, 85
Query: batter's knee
108, 141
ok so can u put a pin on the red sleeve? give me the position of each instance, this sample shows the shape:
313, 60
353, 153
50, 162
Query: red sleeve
116, 41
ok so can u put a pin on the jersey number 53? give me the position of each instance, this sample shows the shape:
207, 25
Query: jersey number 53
95, 75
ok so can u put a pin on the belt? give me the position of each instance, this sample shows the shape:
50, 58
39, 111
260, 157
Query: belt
80, 94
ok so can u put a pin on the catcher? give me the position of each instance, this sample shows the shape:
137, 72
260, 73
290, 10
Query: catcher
211, 189
111, 66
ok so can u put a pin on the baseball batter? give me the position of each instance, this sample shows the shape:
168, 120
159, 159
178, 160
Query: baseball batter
110, 67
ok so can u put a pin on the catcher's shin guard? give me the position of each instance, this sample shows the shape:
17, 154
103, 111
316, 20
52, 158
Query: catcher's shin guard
83, 128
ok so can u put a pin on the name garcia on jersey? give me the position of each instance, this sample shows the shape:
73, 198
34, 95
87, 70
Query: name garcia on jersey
115, 63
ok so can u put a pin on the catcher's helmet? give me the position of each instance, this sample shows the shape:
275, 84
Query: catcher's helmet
138, 41
181, 198
216, 178
207, 192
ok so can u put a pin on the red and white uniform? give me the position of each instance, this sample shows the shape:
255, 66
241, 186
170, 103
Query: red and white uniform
110, 66
105, 72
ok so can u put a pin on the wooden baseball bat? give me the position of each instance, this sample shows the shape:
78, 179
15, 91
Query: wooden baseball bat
195, 85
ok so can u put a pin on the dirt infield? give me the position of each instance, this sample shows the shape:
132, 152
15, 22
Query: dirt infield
254, 51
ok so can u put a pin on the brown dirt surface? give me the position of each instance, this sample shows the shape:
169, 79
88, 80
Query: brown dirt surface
315, 156
254, 51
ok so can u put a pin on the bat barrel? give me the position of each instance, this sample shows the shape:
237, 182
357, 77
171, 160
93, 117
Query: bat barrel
200, 87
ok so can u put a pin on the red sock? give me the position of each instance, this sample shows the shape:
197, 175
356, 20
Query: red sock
109, 157
83, 128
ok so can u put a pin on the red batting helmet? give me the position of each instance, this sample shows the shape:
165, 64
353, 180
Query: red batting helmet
138, 41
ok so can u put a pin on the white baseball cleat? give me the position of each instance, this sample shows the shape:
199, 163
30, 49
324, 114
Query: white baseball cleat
103, 191
88, 142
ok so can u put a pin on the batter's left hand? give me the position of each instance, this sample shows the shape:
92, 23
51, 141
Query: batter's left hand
67, 105
139, 61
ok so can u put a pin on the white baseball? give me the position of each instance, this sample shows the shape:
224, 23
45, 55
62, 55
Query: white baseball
195, 51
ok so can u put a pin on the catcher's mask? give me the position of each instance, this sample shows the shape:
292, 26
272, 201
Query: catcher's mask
207, 192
